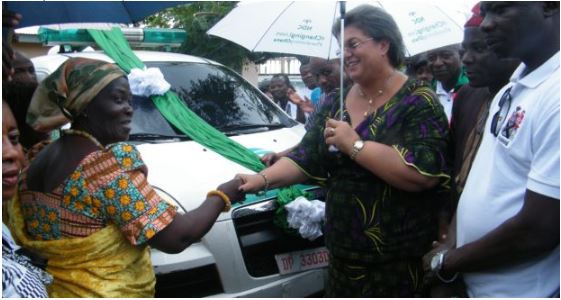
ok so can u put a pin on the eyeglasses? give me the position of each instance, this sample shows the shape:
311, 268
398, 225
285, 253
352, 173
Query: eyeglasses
354, 45
500, 116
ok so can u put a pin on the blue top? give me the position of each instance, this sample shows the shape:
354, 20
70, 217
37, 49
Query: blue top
315, 95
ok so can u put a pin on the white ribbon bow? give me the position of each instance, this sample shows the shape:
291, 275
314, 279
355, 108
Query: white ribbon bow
147, 82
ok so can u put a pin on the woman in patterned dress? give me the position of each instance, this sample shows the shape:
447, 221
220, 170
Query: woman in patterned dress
84, 202
384, 178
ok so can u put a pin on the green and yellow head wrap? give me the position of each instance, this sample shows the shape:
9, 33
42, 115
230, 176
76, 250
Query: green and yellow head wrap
64, 94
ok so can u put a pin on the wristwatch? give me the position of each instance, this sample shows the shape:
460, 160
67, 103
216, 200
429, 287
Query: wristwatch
357, 146
437, 260
436, 263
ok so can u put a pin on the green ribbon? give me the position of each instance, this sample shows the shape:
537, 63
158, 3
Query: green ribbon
173, 108
177, 113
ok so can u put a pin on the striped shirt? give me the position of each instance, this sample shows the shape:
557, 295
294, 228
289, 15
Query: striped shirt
20, 278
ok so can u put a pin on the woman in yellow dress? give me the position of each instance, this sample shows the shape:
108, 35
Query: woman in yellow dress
84, 202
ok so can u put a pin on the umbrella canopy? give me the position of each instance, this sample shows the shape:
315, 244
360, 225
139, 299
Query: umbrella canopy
304, 27
57, 12
295, 27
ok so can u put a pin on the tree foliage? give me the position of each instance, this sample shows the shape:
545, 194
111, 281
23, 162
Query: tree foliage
196, 18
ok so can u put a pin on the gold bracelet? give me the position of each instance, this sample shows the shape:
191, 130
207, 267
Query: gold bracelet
222, 196
266, 182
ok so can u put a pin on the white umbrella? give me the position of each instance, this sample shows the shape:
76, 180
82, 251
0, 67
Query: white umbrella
304, 27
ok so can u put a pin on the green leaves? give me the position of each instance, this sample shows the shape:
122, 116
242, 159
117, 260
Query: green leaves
197, 18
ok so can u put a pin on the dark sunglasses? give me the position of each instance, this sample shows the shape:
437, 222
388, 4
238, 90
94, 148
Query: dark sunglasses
501, 115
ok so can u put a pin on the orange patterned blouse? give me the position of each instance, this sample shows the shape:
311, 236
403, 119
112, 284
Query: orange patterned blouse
108, 186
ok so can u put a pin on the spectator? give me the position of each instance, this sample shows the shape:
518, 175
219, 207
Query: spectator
327, 74
419, 68
383, 181
20, 277
310, 82
487, 75
264, 87
19, 93
9, 21
286, 97
507, 221
446, 67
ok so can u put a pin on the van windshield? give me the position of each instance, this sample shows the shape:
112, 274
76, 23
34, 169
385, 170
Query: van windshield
216, 94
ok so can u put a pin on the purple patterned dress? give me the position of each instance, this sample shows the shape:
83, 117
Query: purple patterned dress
377, 233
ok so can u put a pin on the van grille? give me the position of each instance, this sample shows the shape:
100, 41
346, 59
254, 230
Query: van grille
260, 239
193, 283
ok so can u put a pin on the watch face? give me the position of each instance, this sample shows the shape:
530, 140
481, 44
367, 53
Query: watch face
359, 144
434, 262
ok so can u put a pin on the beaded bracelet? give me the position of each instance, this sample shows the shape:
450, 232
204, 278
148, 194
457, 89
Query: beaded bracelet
223, 196
266, 182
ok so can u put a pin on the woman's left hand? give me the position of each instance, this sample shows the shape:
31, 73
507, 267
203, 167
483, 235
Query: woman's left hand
340, 134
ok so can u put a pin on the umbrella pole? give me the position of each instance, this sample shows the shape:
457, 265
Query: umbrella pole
333, 148
342, 59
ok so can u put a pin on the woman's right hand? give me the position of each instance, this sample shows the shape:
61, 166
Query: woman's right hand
232, 190
251, 183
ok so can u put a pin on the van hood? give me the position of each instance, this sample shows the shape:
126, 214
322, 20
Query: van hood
188, 170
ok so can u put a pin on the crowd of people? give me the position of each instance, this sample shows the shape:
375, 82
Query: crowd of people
442, 180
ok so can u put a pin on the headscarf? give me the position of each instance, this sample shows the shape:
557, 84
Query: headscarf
65, 94
476, 18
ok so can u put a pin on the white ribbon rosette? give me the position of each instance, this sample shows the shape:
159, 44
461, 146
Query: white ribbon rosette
306, 216
147, 82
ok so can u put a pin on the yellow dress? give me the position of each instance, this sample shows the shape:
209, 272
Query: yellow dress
109, 259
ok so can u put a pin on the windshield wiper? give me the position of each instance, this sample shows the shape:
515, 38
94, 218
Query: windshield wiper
155, 136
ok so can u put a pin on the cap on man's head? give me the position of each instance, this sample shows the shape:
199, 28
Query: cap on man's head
476, 18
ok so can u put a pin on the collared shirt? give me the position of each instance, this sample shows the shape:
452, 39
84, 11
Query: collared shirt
524, 156
446, 98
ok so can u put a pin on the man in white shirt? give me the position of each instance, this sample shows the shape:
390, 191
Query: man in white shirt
507, 222
446, 67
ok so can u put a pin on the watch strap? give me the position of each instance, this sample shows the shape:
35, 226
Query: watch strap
356, 148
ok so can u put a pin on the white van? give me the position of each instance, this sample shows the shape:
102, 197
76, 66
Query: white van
237, 257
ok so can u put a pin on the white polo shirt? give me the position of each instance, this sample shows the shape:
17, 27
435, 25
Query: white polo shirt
525, 155
445, 98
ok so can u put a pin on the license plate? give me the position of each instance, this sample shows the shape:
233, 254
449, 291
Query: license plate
302, 260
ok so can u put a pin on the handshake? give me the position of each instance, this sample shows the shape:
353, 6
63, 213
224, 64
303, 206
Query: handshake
243, 184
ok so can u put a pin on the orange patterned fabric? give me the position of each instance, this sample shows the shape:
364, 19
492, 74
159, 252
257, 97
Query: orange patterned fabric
107, 187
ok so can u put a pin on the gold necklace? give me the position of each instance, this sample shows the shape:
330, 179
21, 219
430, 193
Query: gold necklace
371, 99
83, 134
